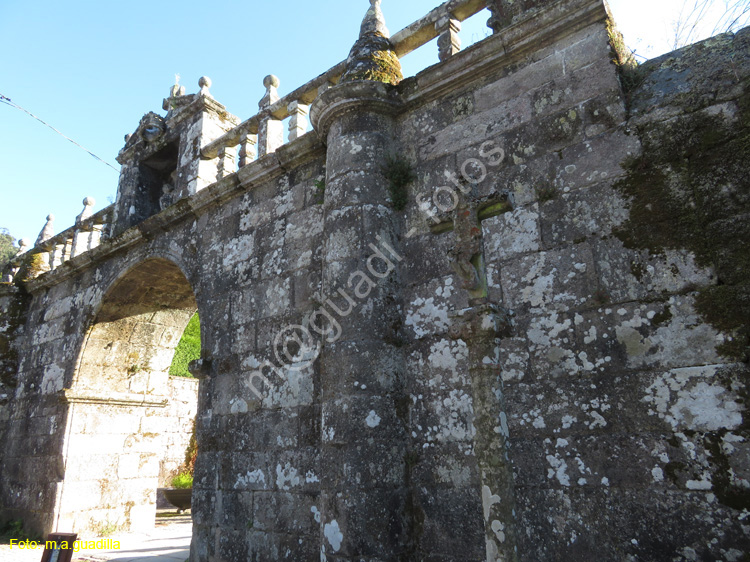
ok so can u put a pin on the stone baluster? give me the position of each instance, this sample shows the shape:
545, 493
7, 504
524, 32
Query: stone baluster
270, 129
248, 149
57, 256
95, 235
449, 43
298, 120
227, 162
67, 249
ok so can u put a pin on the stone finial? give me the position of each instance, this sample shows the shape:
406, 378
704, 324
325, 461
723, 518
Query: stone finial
88, 209
205, 83
373, 57
271, 83
176, 91
47, 232
374, 21
24, 244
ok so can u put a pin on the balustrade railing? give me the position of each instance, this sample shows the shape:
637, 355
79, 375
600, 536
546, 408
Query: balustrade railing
263, 133
88, 232
258, 136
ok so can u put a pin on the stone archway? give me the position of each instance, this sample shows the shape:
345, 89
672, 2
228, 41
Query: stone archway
121, 420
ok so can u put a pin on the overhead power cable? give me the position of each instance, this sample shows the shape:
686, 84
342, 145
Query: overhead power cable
8, 101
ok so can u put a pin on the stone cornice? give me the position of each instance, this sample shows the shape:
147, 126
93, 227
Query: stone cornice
289, 156
350, 97
503, 49
114, 399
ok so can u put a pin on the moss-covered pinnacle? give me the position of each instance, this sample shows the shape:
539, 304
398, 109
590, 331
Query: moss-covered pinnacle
373, 57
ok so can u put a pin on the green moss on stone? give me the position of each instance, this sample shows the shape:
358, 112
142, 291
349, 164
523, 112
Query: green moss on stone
689, 190
373, 59
399, 173
631, 75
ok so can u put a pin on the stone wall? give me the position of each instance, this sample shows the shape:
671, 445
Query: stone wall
177, 428
539, 358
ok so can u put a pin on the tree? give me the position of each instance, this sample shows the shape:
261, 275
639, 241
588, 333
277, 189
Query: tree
708, 18
8, 247
188, 349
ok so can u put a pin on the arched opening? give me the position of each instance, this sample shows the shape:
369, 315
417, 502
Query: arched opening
128, 421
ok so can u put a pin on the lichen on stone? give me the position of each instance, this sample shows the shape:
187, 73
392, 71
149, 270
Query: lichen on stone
688, 190
373, 58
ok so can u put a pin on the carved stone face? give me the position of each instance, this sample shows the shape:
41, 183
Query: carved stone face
153, 127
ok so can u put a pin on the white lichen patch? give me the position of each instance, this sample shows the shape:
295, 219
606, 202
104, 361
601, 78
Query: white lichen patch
287, 477
454, 473
558, 470
429, 315
533, 418
295, 389
513, 233
488, 500
250, 478
237, 250
684, 340
52, 381
373, 419
238, 406
499, 529
316, 513
454, 414
691, 398
333, 535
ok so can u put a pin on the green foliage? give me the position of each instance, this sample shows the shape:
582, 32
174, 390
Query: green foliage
13, 529
399, 173
191, 452
188, 349
320, 186
183, 480
8, 247
630, 73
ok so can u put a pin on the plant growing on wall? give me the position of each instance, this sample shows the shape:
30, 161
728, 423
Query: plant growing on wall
399, 173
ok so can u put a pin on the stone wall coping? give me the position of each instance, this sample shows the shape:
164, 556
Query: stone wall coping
405, 41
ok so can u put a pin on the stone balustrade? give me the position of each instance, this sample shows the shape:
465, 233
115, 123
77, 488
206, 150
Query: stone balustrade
89, 230
258, 136
263, 133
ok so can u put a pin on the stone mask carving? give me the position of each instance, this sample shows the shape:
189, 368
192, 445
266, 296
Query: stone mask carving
152, 127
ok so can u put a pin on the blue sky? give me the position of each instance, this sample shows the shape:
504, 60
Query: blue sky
93, 68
